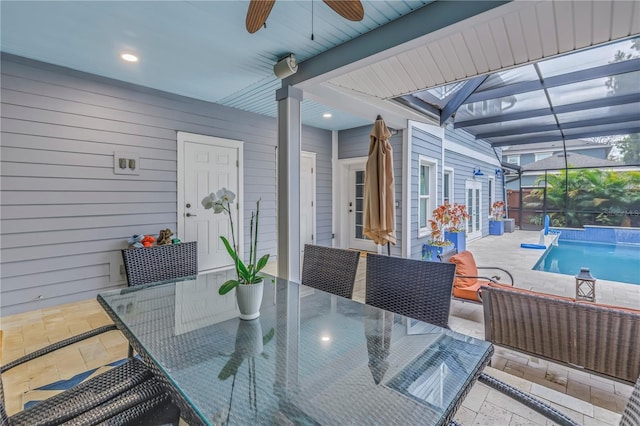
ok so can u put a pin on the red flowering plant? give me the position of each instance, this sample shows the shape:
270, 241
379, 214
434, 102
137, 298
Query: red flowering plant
447, 217
497, 210
458, 213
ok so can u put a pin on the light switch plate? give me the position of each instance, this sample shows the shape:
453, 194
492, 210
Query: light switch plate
129, 158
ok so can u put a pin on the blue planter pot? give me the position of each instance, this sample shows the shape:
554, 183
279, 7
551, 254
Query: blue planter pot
431, 253
496, 227
459, 240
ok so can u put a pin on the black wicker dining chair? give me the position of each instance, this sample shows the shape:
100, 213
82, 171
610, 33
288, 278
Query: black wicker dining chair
413, 288
631, 414
330, 269
126, 394
160, 263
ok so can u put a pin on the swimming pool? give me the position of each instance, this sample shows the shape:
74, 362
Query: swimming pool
613, 262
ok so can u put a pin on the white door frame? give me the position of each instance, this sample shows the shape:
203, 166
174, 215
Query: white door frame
469, 183
312, 155
182, 138
342, 197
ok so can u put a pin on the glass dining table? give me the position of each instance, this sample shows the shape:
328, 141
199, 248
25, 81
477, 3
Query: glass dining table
310, 358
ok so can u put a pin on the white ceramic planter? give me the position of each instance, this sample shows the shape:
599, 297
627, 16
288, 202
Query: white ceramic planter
249, 298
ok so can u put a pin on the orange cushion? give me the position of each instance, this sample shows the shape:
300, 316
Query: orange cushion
465, 265
468, 292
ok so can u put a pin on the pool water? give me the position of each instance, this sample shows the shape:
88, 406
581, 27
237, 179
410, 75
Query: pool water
613, 262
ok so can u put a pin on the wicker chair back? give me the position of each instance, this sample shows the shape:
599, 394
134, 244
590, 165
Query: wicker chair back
414, 288
160, 263
631, 414
330, 269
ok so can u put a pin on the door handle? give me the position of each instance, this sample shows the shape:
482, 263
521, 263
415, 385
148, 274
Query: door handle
189, 215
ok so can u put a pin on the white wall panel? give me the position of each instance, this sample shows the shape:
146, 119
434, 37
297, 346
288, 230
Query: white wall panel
462, 52
622, 17
501, 40
441, 62
582, 14
430, 67
547, 27
65, 215
516, 38
529, 24
475, 49
457, 69
563, 12
488, 47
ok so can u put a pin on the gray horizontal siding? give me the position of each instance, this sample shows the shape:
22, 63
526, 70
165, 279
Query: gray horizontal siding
464, 138
463, 170
428, 145
66, 215
354, 143
319, 141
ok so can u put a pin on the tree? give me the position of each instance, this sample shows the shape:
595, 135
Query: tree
629, 148
592, 196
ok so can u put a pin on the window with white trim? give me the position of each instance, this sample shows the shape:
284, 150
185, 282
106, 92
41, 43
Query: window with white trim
447, 185
513, 159
542, 155
427, 193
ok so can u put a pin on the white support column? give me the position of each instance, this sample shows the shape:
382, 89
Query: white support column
289, 136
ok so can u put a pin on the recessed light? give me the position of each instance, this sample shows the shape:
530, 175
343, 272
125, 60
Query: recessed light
325, 338
327, 115
129, 57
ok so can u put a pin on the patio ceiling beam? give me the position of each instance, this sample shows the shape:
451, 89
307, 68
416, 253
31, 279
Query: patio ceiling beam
425, 20
460, 97
418, 105
615, 118
591, 134
578, 106
558, 80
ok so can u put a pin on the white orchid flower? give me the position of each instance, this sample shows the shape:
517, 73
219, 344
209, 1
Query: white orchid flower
209, 200
226, 195
218, 206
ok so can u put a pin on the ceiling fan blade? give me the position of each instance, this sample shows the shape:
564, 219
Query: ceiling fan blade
348, 9
258, 13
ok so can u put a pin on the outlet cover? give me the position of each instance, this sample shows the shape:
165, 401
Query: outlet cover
122, 162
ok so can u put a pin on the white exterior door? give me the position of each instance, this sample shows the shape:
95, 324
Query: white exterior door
473, 195
307, 199
357, 240
207, 164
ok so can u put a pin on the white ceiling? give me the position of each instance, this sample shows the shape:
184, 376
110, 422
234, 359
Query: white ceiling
533, 31
201, 48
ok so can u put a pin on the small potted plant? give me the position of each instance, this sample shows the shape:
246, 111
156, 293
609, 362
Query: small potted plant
436, 245
248, 282
496, 222
455, 231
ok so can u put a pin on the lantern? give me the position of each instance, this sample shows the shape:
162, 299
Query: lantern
585, 285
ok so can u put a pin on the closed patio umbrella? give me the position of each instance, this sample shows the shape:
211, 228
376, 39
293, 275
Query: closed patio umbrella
379, 193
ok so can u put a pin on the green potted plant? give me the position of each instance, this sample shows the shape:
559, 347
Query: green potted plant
248, 282
496, 223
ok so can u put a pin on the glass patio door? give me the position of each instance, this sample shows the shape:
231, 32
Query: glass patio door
473, 195
357, 240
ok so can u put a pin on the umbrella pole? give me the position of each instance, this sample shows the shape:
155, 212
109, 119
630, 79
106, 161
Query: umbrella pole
388, 248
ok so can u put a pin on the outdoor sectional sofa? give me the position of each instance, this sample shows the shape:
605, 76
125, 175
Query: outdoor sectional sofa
600, 339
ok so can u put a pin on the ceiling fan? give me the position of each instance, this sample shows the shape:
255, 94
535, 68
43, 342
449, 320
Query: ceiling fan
259, 11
